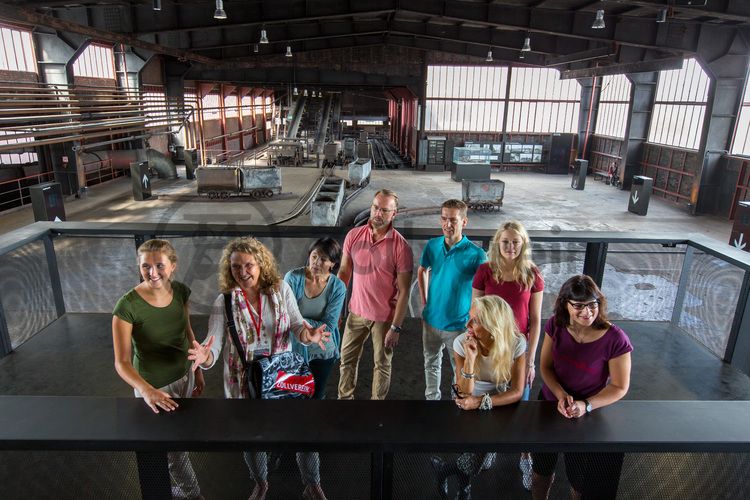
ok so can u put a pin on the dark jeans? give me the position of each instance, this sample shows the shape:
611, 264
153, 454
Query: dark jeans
321, 370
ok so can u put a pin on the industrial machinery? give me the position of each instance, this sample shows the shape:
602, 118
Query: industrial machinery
350, 149
286, 153
358, 174
485, 195
471, 163
331, 154
326, 207
223, 182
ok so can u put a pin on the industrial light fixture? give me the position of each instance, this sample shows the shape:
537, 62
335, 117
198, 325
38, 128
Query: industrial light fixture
220, 13
599, 21
157, 4
521, 56
304, 93
295, 92
288, 51
263, 36
255, 48
526, 45
489, 56
661, 17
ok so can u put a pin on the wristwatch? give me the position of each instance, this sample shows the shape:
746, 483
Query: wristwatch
589, 408
396, 329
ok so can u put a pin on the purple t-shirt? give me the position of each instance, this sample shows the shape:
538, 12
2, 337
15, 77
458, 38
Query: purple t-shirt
583, 369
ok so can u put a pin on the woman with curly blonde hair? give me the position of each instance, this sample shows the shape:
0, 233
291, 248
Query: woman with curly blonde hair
265, 312
490, 365
511, 274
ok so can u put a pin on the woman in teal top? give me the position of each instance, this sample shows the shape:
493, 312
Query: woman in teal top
151, 334
320, 296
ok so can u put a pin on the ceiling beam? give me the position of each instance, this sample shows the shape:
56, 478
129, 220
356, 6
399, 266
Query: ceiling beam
29, 16
585, 55
625, 68
727, 10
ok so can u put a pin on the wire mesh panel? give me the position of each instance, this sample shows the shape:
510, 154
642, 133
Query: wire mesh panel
68, 475
641, 281
26, 293
642, 475
557, 262
115, 475
713, 291
95, 272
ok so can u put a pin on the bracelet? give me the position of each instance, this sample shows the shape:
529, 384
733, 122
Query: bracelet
465, 375
486, 403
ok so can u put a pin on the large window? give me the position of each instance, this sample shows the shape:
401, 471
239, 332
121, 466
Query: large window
154, 105
741, 141
96, 61
614, 102
210, 107
542, 103
680, 106
17, 50
465, 98
230, 106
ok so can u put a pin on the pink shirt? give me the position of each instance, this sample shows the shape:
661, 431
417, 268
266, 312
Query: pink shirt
514, 293
374, 270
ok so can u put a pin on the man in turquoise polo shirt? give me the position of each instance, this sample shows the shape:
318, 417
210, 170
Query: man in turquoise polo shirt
445, 274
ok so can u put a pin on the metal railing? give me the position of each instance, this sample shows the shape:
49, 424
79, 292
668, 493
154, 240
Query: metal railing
699, 285
386, 433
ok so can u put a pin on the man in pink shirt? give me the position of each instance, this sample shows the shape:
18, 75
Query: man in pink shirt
381, 261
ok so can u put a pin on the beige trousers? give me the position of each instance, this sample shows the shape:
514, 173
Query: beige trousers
355, 334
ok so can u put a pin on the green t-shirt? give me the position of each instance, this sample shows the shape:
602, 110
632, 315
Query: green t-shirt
160, 340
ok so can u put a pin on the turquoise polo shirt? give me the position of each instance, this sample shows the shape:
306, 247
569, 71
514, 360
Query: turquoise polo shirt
451, 275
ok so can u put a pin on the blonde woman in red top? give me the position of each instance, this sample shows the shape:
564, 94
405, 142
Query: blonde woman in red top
511, 274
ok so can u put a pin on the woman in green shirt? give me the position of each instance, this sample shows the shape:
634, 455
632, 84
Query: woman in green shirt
151, 334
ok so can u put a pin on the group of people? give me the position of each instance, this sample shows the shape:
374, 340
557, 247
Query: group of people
484, 308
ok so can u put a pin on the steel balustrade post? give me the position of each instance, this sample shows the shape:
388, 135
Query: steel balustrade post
737, 352
596, 257
54, 275
381, 475
679, 300
153, 475
6, 347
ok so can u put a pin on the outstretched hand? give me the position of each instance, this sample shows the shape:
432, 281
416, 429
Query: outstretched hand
318, 335
156, 399
200, 353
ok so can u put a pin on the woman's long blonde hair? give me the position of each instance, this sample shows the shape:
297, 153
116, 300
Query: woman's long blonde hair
524, 269
496, 316
269, 278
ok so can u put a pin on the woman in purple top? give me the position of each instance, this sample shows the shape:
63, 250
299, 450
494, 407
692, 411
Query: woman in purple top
585, 365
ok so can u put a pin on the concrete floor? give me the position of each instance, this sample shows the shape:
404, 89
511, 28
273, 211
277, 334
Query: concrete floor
539, 201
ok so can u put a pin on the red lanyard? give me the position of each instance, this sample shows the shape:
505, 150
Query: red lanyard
259, 324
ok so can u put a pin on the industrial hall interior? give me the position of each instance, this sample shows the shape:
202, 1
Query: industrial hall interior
374, 249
